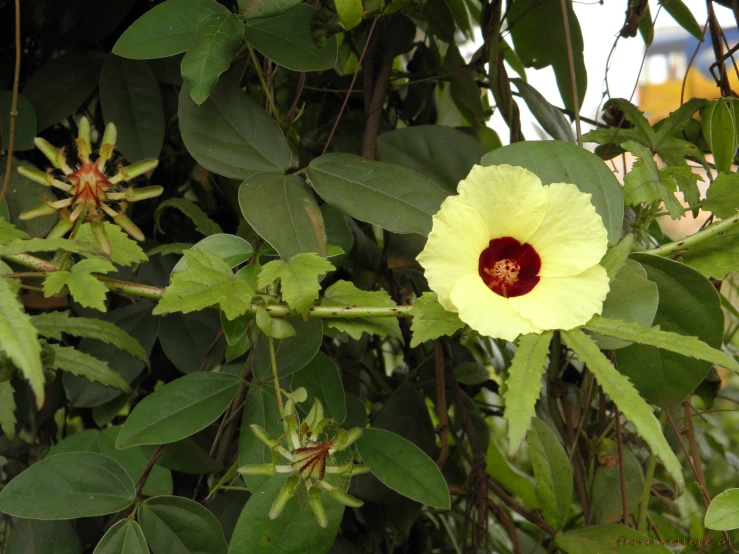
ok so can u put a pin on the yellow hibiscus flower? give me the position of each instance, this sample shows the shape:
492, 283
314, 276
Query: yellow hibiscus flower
513, 257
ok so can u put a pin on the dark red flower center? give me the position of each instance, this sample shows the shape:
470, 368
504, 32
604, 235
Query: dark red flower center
509, 268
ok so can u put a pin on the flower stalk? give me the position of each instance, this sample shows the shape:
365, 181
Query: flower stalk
681, 246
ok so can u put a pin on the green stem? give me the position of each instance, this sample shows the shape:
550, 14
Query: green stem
648, 477
67, 256
265, 88
273, 360
679, 247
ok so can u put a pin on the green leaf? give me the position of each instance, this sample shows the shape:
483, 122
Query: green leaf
9, 233
48, 245
322, 380
720, 128
208, 281
230, 134
678, 120
344, 293
203, 224
615, 258
471, 373
642, 130
405, 468
68, 486
284, 211
298, 277
462, 86
185, 456
82, 441
252, 9
231, 249
683, 16
538, 34
523, 386
7, 409
273, 327
723, 513
125, 537
74, 76
166, 29
25, 122
606, 491
216, 39
626, 397
260, 409
350, 12
135, 463
124, 251
716, 257
175, 524
53, 324
519, 483
553, 473
395, 198
201, 328
607, 539
561, 162
170, 248
131, 98
179, 409
82, 285
286, 40
431, 320
550, 118
292, 354
443, 154
689, 306
723, 195
19, 340
78, 363
23, 194
645, 182
36, 536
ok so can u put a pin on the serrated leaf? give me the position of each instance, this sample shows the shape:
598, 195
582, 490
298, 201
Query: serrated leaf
48, 245
9, 233
623, 393
646, 183
7, 409
298, 279
124, 251
431, 320
654, 336
722, 197
53, 324
678, 120
203, 224
716, 257
523, 386
344, 293
614, 259
171, 248
19, 340
608, 539
273, 327
81, 364
208, 281
82, 285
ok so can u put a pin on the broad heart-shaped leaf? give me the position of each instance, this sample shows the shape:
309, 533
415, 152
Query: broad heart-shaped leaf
260, 409
19, 340
716, 257
394, 197
178, 409
82, 285
216, 39
201, 328
283, 210
166, 29
137, 321
688, 305
74, 75
561, 162
134, 462
344, 293
606, 492
322, 380
549, 117
83, 441
626, 397
295, 530
25, 123
298, 277
208, 281
405, 468
53, 324
523, 386
231, 249
286, 40
723, 513
607, 539
230, 134
173, 524
36, 536
124, 251
130, 98
553, 473
292, 354
431, 320
68, 486
538, 34
203, 224
722, 197
74, 362
125, 537
443, 154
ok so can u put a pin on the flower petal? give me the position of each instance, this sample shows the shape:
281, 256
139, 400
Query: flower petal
453, 248
510, 200
488, 313
571, 237
564, 302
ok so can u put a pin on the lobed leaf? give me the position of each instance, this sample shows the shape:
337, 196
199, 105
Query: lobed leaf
344, 293
431, 320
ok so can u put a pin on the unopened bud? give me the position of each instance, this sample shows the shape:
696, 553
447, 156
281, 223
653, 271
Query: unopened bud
359, 469
51, 153
314, 499
98, 231
262, 434
258, 469
37, 211
346, 499
63, 226
83, 134
287, 491
127, 225
134, 170
350, 438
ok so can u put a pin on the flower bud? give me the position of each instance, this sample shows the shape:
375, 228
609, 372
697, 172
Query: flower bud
262, 434
51, 153
35, 175
314, 499
287, 491
62, 227
98, 231
346, 499
315, 414
38, 211
359, 469
127, 225
83, 134
258, 469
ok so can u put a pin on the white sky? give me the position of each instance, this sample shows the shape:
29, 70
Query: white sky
600, 25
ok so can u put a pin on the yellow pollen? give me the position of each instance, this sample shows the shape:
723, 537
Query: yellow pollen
504, 271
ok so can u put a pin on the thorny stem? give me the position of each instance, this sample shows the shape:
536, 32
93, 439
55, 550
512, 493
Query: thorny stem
13, 102
273, 361
677, 248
